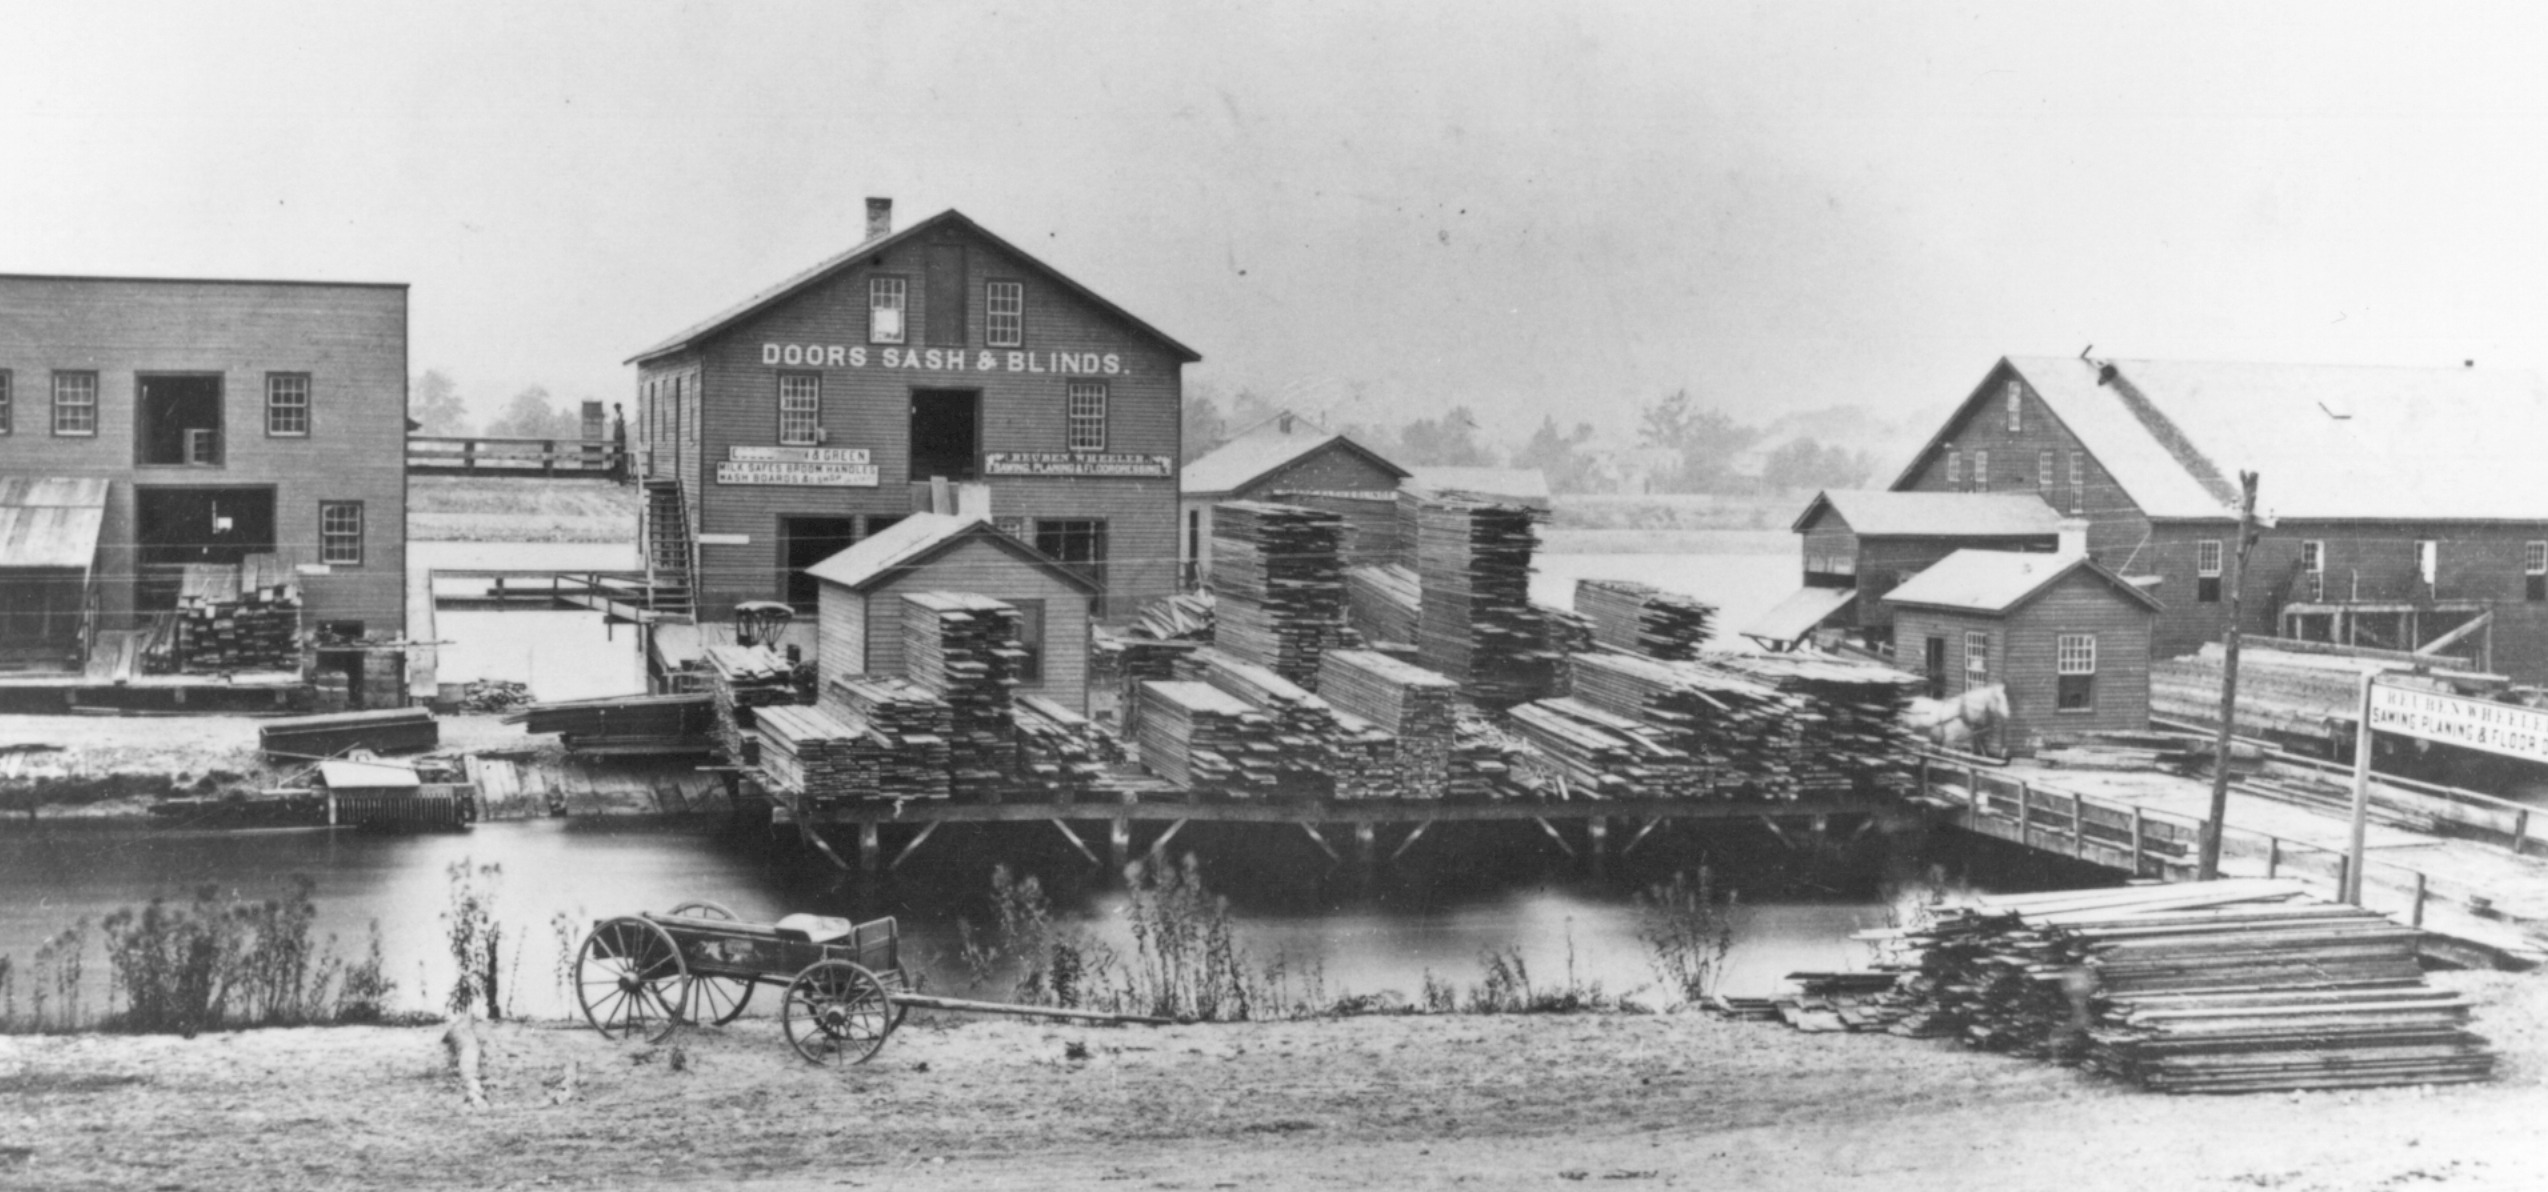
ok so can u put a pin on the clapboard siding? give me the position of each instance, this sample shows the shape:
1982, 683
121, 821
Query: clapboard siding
2023, 656
350, 339
2116, 526
973, 566
840, 634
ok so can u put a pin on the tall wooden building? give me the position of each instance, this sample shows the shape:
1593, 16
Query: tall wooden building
828, 407
2406, 507
189, 421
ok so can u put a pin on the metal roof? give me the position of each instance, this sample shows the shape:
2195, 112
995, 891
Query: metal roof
50, 521
1995, 581
924, 536
1262, 450
1797, 615
878, 244
1936, 515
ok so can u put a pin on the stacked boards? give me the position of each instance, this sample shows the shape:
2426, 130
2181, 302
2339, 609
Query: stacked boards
1416, 707
1742, 733
1850, 731
1643, 619
1614, 756
964, 650
1381, 602
741, 679
1204, 739
1061, 755
242, 618
1475, 622
1324, 752
626, 723
1278, 584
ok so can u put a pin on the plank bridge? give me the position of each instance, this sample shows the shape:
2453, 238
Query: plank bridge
525, 459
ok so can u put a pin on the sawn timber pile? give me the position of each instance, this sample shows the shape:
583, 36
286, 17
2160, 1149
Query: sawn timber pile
964, 650
1061, 754
741, 679
1278, 584
1324, 751
238, 618
1381, 602
1643, 619
1607, 754
1412, 704
1850, 734
1204, 739
1476, 623
1741, 731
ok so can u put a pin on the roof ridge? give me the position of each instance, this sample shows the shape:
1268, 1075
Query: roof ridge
2166, 431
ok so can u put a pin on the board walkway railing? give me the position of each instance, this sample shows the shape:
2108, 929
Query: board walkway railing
474, 456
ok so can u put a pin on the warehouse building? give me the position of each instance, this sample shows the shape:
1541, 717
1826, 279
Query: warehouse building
861, 391
2068, 640
149, 424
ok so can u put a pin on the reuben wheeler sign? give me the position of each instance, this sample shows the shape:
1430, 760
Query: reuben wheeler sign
2452, 720
826, 467
1073, 463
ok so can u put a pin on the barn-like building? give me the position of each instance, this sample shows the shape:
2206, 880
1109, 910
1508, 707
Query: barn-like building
2067, 638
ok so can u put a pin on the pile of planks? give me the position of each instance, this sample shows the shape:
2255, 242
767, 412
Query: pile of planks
2301, 698
2242, 985
1183, 617
1204, 739
1381, 602
241, 618
1416, 707
1278, 584
1850, 733
626, 723
907, 728
1609, 755
822, 755
740, 679
964, 649
1061, 755
1487, 760
1643, 619
1325, 752
387, 730
1475, 621
1743, 733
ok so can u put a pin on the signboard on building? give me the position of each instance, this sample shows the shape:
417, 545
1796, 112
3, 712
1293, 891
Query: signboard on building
2505, 729
827, 467
1076, 463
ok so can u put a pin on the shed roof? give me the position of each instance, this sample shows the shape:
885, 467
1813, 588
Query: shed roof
1527, 485
351, 775
1798, 615
1936, 515
50, 521
1264, 449
949, 218
916, 539
2327, 441
1996, 581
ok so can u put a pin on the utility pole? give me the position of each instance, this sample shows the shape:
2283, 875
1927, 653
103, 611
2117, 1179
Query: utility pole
2209, 865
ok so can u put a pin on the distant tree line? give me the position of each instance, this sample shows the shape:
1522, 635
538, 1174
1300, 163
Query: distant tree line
435, 403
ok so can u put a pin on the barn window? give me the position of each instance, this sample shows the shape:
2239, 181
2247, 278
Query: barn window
2534, 570
1005, 314
287, 404
1087, 415
1030, 639
1954, 470
1079, 543
2016, 407
2075, 666
800, 409
2078, 482
2313, 570
341, 533
2044, 473
1977, 660
885, 297
2207, 571
75, 404
1981, 471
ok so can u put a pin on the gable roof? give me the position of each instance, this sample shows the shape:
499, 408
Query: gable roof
1527, 485
1264, 449
1935, 515
1996, 581
824, 270
917, 539
2326, 441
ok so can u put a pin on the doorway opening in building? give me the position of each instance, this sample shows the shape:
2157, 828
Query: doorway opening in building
178, 420
174, 527
805, 541
946, 435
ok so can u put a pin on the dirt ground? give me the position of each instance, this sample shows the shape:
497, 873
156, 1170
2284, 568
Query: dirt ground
1678, 1100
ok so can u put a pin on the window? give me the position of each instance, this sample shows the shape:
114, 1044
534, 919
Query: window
885, 297
1935, 669
1977, 660
2075, 668
2534, 570
1030, 639
2428, 560
1004, 309
341, 533
177, 419
2078, 482
1077, 542
5, 424
1981, 471
2313, 569
2044, 472
1954, 470
75, 404
287, 404
1087, 415
2207, 571
800, 409
2016, 407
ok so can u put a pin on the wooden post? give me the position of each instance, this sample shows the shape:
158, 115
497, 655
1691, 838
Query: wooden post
2416, 917
468, 455
1973, 788
2358, 826
1119, 843
2344, 873
2521, 830
548, 457
1596, 838
1311, 830
1366, 851
2078, 826
2208, 865
2138, 846
2025, 816
869, 848
2273, 855
1413, 836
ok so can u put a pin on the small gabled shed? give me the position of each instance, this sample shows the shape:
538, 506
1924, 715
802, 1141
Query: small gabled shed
2069, 639
859, 626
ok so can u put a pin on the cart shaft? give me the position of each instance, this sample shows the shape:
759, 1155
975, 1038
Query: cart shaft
926, 1002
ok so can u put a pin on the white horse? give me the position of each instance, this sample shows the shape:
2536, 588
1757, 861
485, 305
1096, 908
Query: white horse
1959, 721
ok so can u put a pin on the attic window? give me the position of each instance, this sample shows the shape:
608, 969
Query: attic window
2044, 473
885, 297
1981, 471
1004, 316
2016, 407
2207, 571
2534, 568
1954, 469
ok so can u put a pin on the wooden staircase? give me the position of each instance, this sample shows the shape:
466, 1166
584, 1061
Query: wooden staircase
669, 551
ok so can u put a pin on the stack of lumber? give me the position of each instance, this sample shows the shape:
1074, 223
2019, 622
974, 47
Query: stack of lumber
1370, 520
1475, 620
1741, 731
239, 618
740, 679
897, 735
1278, 584
1850, 734
1381, 602
1488, 761
626, 723
2288, 696
1415, 706
1324, 752
817, 754
1186, 616
1062, 756
388, 730
2228, 986
1204, 739
964, 649
1606, 754
1644, 619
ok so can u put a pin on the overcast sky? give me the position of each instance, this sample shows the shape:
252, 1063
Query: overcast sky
1521, 207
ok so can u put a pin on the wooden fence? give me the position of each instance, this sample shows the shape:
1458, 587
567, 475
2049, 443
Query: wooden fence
431, 455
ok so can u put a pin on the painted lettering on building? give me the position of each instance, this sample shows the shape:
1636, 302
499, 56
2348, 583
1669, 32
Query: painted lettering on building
1075, 463
943, 360
822, 467
2506, 729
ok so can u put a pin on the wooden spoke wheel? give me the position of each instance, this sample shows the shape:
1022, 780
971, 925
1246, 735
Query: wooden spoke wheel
714, 998
836, 1013
630, 980
701, 908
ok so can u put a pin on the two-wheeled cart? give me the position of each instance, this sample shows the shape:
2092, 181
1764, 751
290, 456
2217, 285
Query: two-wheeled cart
844, 988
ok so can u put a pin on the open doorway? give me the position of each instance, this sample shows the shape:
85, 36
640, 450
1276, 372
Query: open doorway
174, 526
805, 541
178, 420
946, 435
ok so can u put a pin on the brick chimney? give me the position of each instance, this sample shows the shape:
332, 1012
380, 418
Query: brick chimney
880, 218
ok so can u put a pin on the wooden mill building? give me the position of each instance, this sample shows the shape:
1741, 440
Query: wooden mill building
2069, 639
147, 424
2405, 507
1284, 455
862, 588
1860, 545
830, 406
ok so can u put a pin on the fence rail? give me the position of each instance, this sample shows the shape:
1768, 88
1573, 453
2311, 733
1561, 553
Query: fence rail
429, 454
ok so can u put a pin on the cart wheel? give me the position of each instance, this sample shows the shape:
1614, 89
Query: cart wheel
701, 908
630, 979
716, 999
836, 1013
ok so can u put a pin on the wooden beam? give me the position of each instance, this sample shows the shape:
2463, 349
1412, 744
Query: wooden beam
1554, 834
2473, 625
1162, 842
1350, 811
1413, 835
1653, 822
926, 830
1321, 842
1076, 842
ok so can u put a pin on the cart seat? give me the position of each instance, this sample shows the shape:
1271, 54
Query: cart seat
814, 929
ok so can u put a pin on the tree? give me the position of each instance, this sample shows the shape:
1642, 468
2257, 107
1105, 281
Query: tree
1804, 463
434, 402
1705, 440
1561, 458
531, 416
1205, 429
1449, 441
